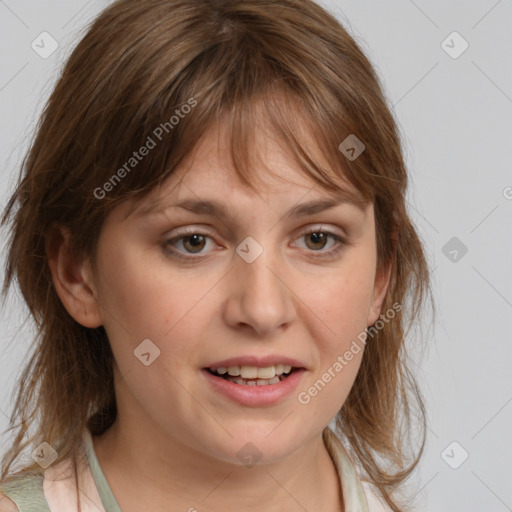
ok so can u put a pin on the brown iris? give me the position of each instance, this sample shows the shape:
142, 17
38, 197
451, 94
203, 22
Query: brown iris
196, 242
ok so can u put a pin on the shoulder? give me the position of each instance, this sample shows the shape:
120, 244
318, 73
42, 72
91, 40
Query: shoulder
7, 505
23, 493
351, 481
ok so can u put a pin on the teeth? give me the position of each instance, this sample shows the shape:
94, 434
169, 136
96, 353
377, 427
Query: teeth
253, 372
258, 382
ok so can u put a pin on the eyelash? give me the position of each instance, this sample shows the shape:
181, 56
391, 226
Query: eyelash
341, 243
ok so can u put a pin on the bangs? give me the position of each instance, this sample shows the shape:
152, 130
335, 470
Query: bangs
280, 116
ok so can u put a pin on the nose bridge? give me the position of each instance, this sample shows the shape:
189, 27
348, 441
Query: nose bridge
260, 295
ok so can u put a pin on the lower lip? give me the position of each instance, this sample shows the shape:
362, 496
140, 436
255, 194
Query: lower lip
254, 396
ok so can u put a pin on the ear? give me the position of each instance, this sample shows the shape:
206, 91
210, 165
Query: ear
72, 278
378, 294
381, 285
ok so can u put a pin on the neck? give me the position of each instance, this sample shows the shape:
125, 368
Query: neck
170, 472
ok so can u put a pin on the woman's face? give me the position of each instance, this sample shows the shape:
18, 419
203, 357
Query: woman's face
181, 289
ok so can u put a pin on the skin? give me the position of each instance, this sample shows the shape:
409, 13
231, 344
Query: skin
175, 438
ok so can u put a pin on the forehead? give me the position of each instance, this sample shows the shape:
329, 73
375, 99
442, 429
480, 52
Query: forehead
210, 172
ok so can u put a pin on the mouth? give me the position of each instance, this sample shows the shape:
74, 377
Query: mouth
253, 386
254, 376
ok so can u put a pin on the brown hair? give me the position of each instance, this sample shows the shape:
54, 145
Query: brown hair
139, 64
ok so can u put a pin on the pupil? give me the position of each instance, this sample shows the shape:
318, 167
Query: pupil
195, 241
317, 237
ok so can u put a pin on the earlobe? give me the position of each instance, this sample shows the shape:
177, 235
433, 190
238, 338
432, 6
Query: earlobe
72, 278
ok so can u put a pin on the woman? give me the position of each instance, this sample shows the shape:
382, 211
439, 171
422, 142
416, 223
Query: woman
211, 234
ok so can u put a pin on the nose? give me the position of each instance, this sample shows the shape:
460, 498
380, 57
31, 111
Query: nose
260, 297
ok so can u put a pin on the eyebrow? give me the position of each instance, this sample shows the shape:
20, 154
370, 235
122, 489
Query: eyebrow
214, 208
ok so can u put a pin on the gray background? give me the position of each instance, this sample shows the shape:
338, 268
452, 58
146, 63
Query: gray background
455, 115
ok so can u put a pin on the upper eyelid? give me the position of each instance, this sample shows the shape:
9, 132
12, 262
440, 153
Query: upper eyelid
315, 227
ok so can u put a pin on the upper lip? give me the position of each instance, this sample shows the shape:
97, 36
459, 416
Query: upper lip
261, 362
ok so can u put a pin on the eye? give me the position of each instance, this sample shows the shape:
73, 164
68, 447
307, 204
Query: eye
317, 239
193, 242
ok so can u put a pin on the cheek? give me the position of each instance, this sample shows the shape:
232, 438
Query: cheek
148, 299
144, 291
337, 316
342, 300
